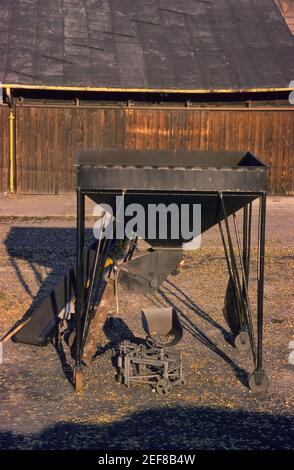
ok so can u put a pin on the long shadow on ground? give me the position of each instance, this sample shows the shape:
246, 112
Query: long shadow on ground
166, 429
50, 247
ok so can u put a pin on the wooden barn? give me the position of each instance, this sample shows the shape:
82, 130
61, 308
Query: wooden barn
142, 74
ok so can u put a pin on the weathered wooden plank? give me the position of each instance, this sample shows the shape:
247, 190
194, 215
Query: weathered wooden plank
4, 148
49, 138
287, 10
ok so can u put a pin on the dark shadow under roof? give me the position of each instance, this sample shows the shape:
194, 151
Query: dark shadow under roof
145, 45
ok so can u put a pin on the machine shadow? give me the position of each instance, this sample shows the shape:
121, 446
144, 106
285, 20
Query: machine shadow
165, 428
182, 297
116, 331
52, 248
240, 373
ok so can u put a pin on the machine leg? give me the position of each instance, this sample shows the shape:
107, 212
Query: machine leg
80, 288
258, 381
247, 219
260, 278
242, 341
231, 262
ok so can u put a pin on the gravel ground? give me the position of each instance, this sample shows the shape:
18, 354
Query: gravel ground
216, 410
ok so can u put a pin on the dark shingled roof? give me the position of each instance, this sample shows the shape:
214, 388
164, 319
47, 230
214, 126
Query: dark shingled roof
145, 44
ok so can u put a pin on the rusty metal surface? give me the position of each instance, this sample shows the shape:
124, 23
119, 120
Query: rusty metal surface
147, 44
97, 323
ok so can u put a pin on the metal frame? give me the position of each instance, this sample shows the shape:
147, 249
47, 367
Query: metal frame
257, 380
79, 286
241, 288
150, 364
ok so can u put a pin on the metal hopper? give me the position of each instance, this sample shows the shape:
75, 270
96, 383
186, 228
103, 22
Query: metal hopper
221, 182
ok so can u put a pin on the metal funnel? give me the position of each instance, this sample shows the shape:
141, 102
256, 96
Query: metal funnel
162, 325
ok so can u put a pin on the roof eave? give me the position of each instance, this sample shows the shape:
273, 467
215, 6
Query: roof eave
143, 90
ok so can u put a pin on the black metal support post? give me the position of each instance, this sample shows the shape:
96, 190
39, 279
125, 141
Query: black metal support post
247, 218
80, 281
231, 261
247, 223
258, 380
260, 279
247, 329
244, 340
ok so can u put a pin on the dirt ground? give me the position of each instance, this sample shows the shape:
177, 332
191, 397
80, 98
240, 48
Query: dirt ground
215, 410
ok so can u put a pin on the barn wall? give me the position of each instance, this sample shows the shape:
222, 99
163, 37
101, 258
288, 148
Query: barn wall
49, 138
4, 142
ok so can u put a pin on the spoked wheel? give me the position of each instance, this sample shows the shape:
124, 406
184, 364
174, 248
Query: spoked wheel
242, 341
258, 382
163, 387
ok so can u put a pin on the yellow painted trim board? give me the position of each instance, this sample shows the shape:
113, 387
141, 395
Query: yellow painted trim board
140, 90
